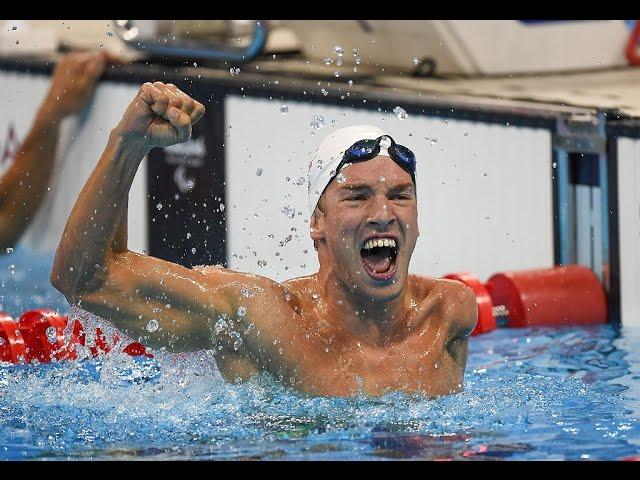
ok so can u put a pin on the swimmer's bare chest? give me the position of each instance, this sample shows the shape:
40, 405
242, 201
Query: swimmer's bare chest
319, 357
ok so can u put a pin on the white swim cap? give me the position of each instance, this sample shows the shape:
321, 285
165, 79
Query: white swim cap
329, 154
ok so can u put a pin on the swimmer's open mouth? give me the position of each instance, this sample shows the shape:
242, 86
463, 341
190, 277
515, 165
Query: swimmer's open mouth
379, 257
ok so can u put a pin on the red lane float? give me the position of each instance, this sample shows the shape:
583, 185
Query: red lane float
12, 347
558, 296
43, 333
486, 318
39, 335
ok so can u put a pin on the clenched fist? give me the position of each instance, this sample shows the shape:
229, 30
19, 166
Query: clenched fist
159, 116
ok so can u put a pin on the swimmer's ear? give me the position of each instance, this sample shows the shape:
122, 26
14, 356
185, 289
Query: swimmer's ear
317, 226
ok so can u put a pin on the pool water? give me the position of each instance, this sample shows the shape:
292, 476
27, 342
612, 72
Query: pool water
572, 393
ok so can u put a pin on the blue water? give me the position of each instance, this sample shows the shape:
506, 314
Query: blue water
529, 394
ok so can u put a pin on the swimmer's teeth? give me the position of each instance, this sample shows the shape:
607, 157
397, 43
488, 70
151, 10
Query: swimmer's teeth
386, 242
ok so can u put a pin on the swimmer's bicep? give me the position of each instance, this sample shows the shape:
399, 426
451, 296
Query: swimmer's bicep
139, 291
461, 323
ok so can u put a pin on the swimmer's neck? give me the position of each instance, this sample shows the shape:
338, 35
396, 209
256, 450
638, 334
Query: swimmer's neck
374, 323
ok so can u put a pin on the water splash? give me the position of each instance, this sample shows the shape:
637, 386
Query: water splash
400, 113
317, 122
152, 325
289, 211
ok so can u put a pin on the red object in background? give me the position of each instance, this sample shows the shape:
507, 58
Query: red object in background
631, 51
12, 347
486, 319
43, 333
135, 349
558, 296
39, 334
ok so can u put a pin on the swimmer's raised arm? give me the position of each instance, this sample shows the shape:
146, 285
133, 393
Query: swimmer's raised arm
94, 269
24, 184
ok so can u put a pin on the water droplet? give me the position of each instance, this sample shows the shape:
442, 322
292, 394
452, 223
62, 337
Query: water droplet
317, 122
484, 174
12, 269
341, 178
258, 172
159, 206
1, 341
17, 42
220, 326
193, 250
51, 334
262, 263
246, 292
195, 64
280, 351
339, 50
314, 295
328, 61
188, 234
554, 165
336, 74
339, 62
237, 343
356, 52
382, 179
400, 113
221, 207
350, 82
300, 181
152, 326
357, 60
284, 109
14, 28
289, 211
109, 34
324, 92
415, 61
9, 250
242, 312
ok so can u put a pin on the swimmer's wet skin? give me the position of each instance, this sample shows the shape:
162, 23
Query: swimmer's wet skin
361, 324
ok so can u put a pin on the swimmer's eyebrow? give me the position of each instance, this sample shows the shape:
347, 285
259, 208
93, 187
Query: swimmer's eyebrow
405, 187
350, 187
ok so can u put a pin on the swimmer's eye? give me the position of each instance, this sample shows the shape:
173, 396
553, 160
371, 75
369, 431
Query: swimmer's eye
356, 198
401, 196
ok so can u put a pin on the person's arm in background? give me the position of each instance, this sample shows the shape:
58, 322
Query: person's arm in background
25, 183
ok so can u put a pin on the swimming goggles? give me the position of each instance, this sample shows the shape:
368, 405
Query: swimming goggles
367, 149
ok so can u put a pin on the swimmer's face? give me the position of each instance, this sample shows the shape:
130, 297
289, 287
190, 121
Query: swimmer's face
373, 202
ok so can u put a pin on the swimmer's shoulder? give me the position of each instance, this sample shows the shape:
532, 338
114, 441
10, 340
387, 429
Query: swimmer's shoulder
300, 283
220, 274
454, 298
449, 290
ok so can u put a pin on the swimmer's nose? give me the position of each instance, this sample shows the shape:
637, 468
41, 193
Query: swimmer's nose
381, 212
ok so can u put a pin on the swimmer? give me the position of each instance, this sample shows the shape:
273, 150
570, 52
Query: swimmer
24, 184
361, 324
